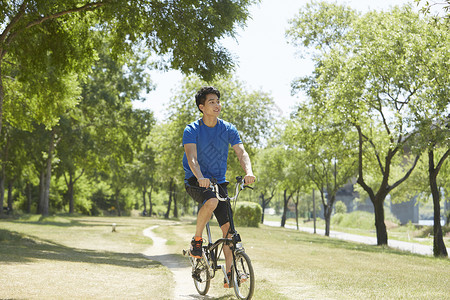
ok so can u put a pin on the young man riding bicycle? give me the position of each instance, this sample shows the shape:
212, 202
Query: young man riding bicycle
206, 143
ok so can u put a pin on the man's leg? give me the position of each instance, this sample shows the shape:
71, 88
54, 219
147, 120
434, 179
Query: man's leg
204, 215
226, 249
227, 253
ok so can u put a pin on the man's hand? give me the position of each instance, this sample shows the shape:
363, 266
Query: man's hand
249, 179
204, 182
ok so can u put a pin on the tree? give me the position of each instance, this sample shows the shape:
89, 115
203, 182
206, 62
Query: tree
427, 7
294, 181
328, 152
143, 171
439, 248
184, 34
268, 166
114, 82
371, 78
431, 117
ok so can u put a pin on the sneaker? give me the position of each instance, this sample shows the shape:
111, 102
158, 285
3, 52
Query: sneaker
225, 283
196, 247
243, 278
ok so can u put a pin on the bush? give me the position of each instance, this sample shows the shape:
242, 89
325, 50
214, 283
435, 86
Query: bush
356, 219
247, 214
340, 207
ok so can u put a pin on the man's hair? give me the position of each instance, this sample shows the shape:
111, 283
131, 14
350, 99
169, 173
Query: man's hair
200, 97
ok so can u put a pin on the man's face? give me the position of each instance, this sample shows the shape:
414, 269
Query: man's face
212, 106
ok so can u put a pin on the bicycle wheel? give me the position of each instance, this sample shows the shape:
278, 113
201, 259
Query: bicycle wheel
243, 277
201, 276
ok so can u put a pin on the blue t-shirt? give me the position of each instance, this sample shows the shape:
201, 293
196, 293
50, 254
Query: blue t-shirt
212, 147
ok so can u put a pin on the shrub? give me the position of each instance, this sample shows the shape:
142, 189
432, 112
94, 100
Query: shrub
340, 207
247, 214
356, 219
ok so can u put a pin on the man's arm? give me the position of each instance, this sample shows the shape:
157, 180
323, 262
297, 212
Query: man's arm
244, 160
191, 155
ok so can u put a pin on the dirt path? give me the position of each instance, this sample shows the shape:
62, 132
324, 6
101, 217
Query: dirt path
179, 266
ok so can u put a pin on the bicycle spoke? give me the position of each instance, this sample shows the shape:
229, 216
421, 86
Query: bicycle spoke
244, 281
201, 276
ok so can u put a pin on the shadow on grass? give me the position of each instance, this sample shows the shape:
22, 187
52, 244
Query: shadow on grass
21, 248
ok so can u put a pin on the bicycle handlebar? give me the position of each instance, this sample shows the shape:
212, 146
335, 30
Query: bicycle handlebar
240, 185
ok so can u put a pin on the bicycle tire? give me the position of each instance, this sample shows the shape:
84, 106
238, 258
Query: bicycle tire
201, 276
244, 279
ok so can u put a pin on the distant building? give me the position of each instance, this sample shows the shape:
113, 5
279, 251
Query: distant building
406, 212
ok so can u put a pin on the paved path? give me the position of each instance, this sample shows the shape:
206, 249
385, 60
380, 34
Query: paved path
179, 266
405, 246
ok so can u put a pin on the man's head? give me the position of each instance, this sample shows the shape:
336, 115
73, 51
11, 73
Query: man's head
200, 97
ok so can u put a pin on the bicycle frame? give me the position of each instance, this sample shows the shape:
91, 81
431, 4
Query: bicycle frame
204, 269
235, 240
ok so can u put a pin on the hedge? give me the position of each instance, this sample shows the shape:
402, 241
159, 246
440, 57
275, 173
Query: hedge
247, 214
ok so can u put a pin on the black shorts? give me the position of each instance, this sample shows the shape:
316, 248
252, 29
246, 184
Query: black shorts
201, 195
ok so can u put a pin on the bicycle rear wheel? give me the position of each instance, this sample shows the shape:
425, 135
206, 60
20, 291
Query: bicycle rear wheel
243, 277
201, 276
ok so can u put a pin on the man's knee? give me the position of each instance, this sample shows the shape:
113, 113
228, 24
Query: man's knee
211, 204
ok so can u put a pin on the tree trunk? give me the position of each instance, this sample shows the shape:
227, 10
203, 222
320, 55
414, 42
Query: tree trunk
2, 190
447, 211
41, 191
166, 215
174, 197
116, 196
328, 210
10, 200
285, 208
327, 216
28, 189
144, 192
70, 194
48, 177
170, 200
71, 189
439, 249
4, 158
263, 204
2, 93
382, 238
150, 203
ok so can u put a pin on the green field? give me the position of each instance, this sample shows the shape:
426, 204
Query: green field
80, 257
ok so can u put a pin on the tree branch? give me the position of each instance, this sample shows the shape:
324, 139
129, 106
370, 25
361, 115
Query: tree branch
88, 6
360, 180
14, 20
441, 161
76, 178
406, 175
377, 155
11, 36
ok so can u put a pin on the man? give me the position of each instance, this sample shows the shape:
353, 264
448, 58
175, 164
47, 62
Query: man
205, 144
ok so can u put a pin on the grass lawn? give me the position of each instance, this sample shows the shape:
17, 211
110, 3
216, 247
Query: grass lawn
296, 265
79, 257
68, 258
362, 223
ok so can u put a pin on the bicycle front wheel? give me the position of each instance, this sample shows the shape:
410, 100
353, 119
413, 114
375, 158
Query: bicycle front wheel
243, 277
201, 276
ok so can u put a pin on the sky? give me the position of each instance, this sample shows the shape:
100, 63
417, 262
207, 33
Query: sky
265, 61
